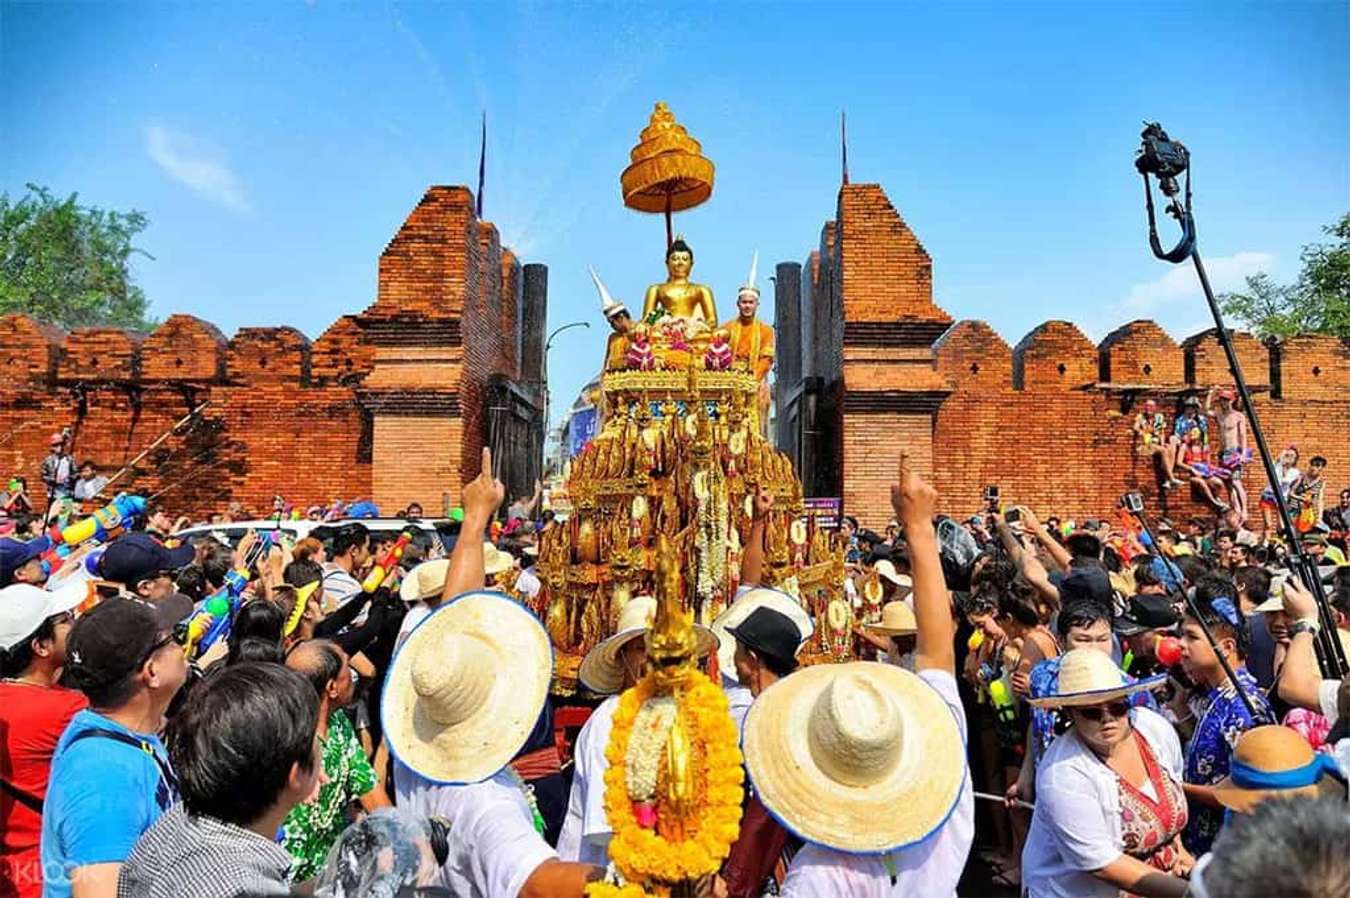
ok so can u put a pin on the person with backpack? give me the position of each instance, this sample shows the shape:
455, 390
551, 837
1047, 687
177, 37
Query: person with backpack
110, 778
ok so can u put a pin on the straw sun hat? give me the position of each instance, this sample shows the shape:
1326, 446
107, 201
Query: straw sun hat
601, 671
736, 613
1090, 677
1276, 762
860, 757
424, 581
465, 689
897, 619
495, 561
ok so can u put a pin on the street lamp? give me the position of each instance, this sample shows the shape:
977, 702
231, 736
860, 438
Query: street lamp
548, 391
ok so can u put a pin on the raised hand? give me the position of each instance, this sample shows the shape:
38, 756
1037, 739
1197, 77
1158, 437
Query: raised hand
243, 548
913, 498
484, 494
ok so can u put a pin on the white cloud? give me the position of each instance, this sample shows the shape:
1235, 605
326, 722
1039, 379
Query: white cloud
1174, 301
1180, 283
200, 165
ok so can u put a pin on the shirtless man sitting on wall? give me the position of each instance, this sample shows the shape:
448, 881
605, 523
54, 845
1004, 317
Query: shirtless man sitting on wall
1233, 450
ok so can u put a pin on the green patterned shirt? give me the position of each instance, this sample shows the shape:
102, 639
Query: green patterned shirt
310, 829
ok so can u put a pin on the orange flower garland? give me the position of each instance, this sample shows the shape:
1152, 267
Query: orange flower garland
642, 855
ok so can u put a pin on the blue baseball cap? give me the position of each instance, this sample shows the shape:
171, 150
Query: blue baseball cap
136, 556
15, 553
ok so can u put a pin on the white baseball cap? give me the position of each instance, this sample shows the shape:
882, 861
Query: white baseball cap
23, 608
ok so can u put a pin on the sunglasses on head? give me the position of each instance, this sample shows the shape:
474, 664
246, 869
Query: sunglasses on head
1095, 713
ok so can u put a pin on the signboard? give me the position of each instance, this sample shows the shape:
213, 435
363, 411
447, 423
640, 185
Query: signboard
581, 430
826, 512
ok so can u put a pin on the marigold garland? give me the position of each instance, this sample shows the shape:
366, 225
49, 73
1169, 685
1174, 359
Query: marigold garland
605, 890
642, 855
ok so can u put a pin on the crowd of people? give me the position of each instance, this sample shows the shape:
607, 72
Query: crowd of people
1136, 710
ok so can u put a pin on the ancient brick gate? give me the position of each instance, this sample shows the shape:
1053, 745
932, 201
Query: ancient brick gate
867, 363
394, 404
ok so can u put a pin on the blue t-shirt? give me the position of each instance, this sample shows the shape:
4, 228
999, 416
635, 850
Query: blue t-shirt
100, 799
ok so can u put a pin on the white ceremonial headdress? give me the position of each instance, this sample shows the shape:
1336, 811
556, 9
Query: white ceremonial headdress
608, 306
749, 286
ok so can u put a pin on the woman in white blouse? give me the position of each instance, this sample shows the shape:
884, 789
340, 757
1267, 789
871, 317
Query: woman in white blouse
1109, 803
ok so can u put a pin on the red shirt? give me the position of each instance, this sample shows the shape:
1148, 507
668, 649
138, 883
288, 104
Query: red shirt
32, 719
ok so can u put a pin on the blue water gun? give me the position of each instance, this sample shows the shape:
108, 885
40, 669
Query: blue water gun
99, 528
117, 514
213, 618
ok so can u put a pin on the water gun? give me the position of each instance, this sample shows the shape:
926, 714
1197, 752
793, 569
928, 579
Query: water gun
205, 626
1005, 707
386, 563
1167, 649
101, 524
211, 621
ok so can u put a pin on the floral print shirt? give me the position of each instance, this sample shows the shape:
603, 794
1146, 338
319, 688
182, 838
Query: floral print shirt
1220, 719
311, 828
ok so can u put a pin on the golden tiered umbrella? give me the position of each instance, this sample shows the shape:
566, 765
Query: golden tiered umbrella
668, 172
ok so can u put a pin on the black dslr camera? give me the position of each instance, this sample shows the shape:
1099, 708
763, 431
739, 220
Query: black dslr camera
1161, 156
1166, 159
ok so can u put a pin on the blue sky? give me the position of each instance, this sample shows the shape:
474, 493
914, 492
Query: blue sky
277, 147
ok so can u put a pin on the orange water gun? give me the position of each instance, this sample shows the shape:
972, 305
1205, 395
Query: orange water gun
386, 563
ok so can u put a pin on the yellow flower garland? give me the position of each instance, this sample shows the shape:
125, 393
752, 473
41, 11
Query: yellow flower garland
642, 855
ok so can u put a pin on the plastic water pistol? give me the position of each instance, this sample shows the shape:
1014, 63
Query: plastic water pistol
102, 526
1004, 705
1167, 649
211, 621
386, 563
103, 522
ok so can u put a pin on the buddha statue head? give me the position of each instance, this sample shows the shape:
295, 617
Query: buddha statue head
679, 259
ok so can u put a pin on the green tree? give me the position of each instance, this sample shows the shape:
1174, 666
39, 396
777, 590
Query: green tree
1318, 302
70, 265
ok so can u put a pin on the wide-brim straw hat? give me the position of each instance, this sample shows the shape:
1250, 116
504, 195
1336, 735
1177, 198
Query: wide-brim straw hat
1274, 761
600, 670
424, 581
897, 619
886, 568
495, 561
861, 757
466, 687
1090, 677
735, 614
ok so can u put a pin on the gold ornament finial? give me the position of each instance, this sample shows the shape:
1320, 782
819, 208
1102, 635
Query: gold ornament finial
668, 172
671, 646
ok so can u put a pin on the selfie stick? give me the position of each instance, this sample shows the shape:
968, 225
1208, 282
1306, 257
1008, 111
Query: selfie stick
1329, 654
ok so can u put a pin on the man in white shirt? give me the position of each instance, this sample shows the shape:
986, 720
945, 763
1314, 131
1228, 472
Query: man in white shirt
453, 734
917, 844
90, 482
348, 557
750, 596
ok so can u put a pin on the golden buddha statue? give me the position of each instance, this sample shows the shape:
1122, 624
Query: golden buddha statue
679, 298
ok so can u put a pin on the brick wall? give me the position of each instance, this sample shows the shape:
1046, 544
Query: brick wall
385, 404
1047, 420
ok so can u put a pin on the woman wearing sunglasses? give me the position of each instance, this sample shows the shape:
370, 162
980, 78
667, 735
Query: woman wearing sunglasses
1109, 803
